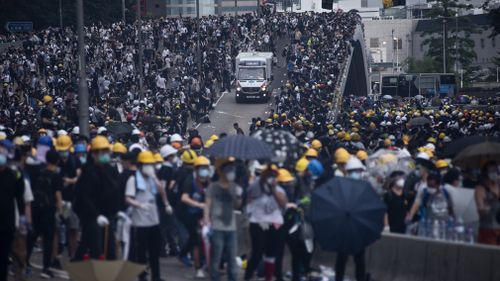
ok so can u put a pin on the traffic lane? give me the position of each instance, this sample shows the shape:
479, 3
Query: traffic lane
227, 112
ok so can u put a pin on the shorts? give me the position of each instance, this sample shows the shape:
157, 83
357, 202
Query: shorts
73, 221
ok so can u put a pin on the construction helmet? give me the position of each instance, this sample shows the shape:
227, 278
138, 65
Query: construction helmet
316, 144
47, 99
311, 152
167, 150
341, 156
188, 156
440, 164
284, 176
362, 155
158, 157
63, 143
119, 148
99, 143
146, 157
201, 161
301, 165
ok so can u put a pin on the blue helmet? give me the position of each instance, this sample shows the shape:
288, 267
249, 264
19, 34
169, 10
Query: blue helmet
7, 144
45, 140
316, 168
80, 148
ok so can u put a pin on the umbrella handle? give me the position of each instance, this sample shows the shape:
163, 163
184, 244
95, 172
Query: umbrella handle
106, 234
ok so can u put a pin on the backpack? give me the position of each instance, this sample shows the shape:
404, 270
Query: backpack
425, 200
44, 197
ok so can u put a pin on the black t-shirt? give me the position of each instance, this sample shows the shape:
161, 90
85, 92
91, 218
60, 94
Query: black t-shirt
68, 170
45, 186
196, 193
47, 114
397, 207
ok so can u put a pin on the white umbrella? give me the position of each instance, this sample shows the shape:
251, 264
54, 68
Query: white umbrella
419, 97
464, 204
387, 97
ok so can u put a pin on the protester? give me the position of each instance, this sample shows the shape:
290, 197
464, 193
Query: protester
487, 195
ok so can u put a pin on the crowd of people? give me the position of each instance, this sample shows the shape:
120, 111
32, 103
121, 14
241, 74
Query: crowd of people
149, 191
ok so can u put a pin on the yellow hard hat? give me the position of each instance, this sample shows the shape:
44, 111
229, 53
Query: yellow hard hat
18, 141
214, 137
347, 137
158, 158
209, 143
406, 139
63, 143
316, 144
440, 164
42, 131
431, 140
441, 136
146, 157
387, 142
362, 155
188, 156
311, 152
99, 143
284, 176
47, 99
341, 156
340, 135
201, 161
119, 148
355, 137
301, 165
269, 120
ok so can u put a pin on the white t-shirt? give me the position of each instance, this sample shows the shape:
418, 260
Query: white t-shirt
28, 198
141, 217
263, 207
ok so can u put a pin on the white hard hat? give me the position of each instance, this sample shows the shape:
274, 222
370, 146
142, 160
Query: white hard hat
62, 133
175, 137
76, 130
167, 150
423, 155
430, 146
354, 164
100, 130
136, 132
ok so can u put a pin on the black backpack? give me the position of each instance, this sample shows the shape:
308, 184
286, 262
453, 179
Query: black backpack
44, 197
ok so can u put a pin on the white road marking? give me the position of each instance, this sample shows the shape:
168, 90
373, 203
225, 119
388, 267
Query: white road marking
221, 96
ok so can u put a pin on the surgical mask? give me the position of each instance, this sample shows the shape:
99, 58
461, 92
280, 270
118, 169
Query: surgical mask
355, 175
148, 170
3, 160
270, 181
431, 190
64, 154
83, 159
104, 158
204, 173
231, 176
418, 173
400, 183
493, 175
158, 166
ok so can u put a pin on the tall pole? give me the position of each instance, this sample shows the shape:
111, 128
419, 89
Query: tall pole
139, 42
198, 49
123, 11
60, 15
392, 40
83, 91
445, 33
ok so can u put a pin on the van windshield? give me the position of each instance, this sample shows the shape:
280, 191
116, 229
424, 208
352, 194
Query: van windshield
252, 74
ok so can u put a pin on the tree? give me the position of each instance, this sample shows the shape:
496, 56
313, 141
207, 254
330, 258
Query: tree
459, 47
425, 65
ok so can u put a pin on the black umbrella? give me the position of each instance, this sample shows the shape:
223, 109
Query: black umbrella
347, 215
476, 155
240, 147
120, 128
453, 148
419, 121
287, 148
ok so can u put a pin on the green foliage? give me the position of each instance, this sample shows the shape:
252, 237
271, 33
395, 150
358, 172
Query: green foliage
459, 45
45, 13
495, 21
425, 65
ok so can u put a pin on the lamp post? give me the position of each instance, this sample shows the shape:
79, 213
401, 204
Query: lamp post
139, 42
83, 91
392, 39
60, 15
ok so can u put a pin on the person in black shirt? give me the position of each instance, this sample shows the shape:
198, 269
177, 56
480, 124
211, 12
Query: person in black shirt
47, 186
398, 205
12, 192
47, 113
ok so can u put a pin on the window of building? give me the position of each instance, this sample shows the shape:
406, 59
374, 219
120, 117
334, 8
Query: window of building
190, 10
364, 3
374, 42
482, 43
398, 44
493, 42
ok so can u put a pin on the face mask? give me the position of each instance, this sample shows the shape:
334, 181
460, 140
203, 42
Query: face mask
355, 175
158, 166
204, 173
231, 176
270, 181
493, 176
64, 154
83, 159
104, 158
3, 160
431, 190
418, 173
400, 183
148, 170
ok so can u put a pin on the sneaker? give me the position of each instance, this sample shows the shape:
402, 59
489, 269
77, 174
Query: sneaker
200, 274
56, 264
46, 274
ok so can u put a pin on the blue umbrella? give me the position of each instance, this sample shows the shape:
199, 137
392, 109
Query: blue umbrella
240, 147
347, 215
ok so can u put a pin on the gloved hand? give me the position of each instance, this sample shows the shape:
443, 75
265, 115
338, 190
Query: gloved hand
102, 220
169, 209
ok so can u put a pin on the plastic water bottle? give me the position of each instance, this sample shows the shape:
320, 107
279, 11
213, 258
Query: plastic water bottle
471, 238
460, 230
442, 229
62, 234
450, 229
422, 227
435, 229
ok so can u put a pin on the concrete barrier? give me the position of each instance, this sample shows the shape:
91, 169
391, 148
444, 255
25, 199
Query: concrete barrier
400, 257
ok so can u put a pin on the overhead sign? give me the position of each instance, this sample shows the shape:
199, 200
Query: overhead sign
19, 26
